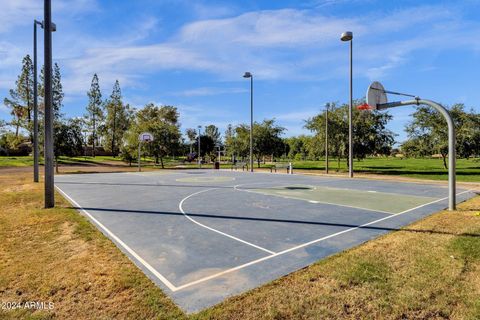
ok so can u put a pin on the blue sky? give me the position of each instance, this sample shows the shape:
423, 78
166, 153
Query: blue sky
192, 54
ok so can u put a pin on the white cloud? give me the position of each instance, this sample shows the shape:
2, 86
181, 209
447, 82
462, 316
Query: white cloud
273, 44
15, 13
302, 44
225, 47
276, 28
18, 12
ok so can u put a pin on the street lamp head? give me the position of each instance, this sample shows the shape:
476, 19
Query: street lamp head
40, 23
347, 36
247, 75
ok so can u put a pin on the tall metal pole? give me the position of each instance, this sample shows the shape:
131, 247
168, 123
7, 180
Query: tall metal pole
451, 142
451, 152
350, 110
251, 123
326, 139
49, 178
139, 153
199, 159
35, 105
113, 133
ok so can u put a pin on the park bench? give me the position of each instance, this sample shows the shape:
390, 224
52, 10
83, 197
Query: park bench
238, 165
282, 165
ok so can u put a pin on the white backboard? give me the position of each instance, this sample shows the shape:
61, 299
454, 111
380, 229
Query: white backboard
376, 95
145, 137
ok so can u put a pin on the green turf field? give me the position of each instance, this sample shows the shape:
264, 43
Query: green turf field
425, 168
468, 170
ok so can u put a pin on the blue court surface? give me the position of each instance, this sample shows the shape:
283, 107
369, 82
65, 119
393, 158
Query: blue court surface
205, 235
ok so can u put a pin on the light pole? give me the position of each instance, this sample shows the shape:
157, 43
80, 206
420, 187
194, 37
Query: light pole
199, 159
348, 36
249, 75
35, 102
35, 99
49, 179
326, 138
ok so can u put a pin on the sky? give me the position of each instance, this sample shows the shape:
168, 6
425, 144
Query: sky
192, 54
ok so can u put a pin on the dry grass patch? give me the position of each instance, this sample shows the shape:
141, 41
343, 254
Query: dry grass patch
57, 256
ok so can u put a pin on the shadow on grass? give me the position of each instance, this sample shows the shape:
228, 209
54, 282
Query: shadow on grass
256, 219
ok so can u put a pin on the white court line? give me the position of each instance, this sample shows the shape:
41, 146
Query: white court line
306, 244
298, 198
180, 207
120, 242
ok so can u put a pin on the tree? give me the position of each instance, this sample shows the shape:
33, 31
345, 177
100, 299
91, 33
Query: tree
95, 115
429, 132
128, 151
370, 135
212, 131
3, 127
57, 93
67, 139
468, 131
266, 140
230, 141
337, 132
81, 124
207, 146
192, 136
21, 98
298, 147
162, 123
117, 120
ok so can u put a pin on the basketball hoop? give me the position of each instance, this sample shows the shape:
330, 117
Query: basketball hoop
142, 138
376, 95
145, 137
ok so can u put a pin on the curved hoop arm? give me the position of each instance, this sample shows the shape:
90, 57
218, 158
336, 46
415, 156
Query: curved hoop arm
451, 142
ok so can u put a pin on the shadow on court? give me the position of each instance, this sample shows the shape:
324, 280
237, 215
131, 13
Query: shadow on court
197, 215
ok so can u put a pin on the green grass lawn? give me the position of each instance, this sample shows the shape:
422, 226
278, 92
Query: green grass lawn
26, 161
467, 170
16, 161
425, 168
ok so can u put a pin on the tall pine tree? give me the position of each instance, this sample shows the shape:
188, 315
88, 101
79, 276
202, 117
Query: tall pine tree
95, 115
21, 98
57, 93
57, 101
117, 120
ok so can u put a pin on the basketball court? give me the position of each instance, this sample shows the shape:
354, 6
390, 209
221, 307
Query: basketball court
205, 235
